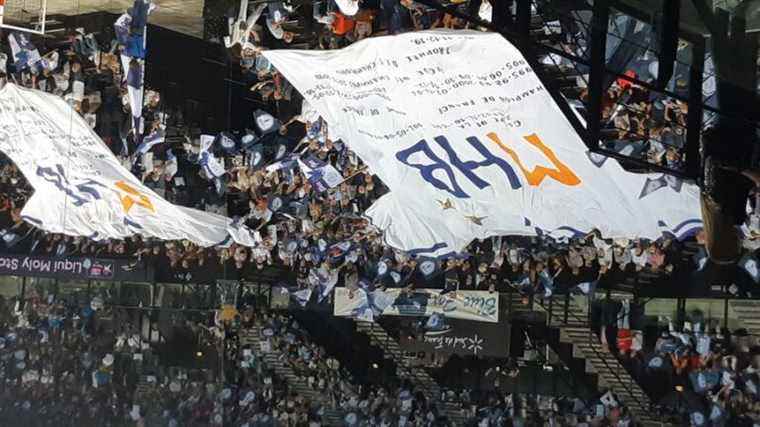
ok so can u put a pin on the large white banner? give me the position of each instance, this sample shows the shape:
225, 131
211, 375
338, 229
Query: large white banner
481, 306
470, 143
80, 188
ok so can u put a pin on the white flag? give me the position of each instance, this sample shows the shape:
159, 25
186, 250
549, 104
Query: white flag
213, 167
81, 189
25, 54
156, 137
303, 296
470, 143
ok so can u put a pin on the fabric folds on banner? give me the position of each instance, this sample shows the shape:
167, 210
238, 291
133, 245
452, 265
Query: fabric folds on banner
480, 306
81, 189
471, 144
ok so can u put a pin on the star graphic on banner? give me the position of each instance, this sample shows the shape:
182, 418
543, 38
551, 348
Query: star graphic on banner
478, 220
447, 204
652, 185
476, 344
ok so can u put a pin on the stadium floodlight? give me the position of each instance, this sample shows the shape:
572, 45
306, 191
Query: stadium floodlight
28, 16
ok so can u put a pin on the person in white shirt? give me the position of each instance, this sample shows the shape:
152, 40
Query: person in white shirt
639, 256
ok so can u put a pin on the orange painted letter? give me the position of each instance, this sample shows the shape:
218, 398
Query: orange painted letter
560, 173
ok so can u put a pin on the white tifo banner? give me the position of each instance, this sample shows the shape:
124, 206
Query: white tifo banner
80, 188
482, 306
471, 144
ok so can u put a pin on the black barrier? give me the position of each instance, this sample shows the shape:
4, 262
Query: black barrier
73, 268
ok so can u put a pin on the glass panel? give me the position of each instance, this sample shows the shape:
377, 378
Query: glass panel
227, 292
564, 28
108, 292
704, 314
10, 286
39, 288
644, 125
661, 307
199, 297
135, 294
169, 295
73, 292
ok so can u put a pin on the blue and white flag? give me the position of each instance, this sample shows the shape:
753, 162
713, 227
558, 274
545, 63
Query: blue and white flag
227, 142
750, 264
211, 165
11, 238
25, 54
171, 165
121, 28
429, 267
287, 162
697, 418
248, 140
255, 156
321, 175
716, 414
156, 137
265, 122
315, 131
324, 281
133, 60
370, 304
340, 249
276, 202
134, 72
436, 322
381, 300
136, 40
547, 282
383, 267
364, 314
302, 297
586, 287
700, 259
523, 282
280, 149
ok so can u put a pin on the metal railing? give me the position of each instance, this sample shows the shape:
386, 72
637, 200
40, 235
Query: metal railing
593, 341
407, 372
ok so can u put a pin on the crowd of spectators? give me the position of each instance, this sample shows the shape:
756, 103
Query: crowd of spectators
309, 361
269, 182
362, 403
65, 364
358, 402
69, 364
62, 363
317, 233
497, 409
248, 393
699, 373
636, 121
